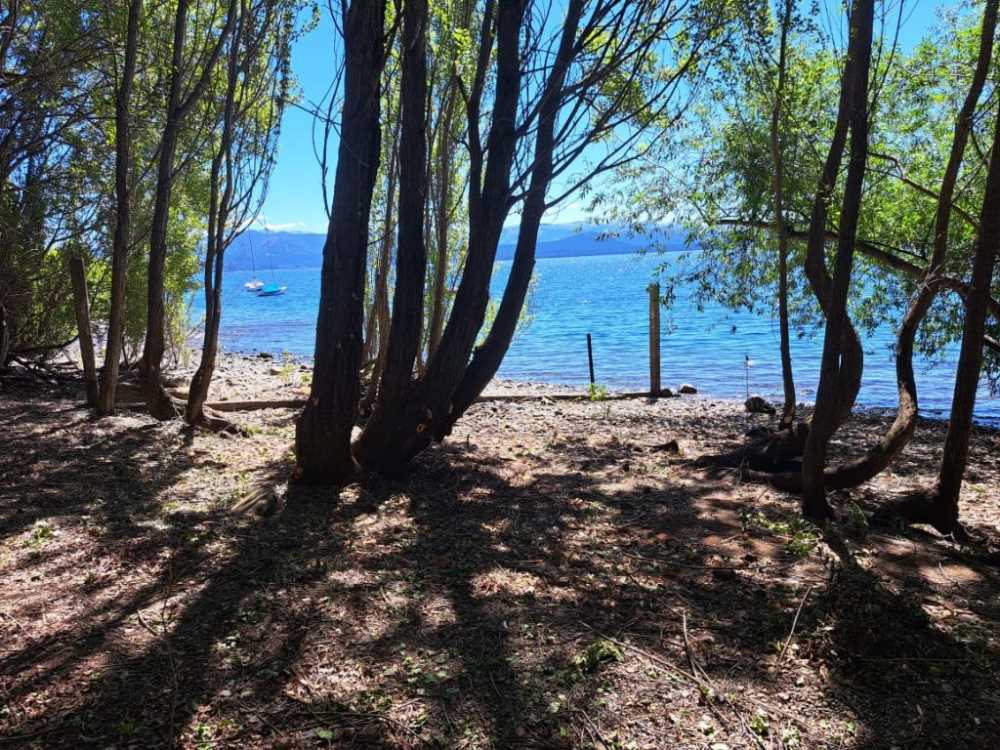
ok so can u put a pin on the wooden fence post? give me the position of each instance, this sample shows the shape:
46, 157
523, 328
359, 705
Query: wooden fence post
654, 339
82, 304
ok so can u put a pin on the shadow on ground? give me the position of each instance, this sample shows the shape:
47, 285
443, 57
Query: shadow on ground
546, 580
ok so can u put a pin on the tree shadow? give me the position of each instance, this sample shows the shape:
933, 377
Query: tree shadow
533, 590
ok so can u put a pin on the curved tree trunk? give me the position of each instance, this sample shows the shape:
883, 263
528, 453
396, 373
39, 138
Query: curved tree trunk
428, 400
487, 358
828, 395
323, 432
123, 208
179, 105
218, 212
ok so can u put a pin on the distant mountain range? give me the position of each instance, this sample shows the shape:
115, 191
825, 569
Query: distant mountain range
301, 250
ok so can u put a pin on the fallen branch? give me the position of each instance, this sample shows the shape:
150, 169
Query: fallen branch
795, 621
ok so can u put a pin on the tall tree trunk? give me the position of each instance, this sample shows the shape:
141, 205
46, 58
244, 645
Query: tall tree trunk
123, 208
487, 358
411, 252
442, 218
428, 400
824, 422
944, 511
218, 216
323, 432
777, 189
377, 320
179, 105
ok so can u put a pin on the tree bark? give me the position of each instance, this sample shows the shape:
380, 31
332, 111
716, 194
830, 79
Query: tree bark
487, 358
825, 414
123, 215
411, 252
777, 189
442, 218
944, 511
428, 399
377, 331
160, 404
218, 215
81, 305
323, 432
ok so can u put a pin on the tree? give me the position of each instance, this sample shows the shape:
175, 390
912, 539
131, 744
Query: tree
830, 396
599, 79
323, 432
256, 87
181, 101
944, 511
123, 209
777, 188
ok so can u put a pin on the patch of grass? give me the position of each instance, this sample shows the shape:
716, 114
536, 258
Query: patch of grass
799, 537
592, 658
597, 392
41, 534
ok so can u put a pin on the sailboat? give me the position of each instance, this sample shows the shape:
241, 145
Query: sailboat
255, 284
272, 289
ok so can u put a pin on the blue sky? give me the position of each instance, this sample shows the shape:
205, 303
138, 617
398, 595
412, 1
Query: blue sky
295, 199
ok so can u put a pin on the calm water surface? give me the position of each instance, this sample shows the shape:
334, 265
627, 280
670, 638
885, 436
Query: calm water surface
606, 296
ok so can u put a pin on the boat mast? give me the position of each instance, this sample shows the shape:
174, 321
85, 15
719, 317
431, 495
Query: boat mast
253, 265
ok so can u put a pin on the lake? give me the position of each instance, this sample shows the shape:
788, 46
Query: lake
606, 297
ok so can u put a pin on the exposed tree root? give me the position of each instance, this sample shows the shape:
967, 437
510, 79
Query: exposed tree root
922, 507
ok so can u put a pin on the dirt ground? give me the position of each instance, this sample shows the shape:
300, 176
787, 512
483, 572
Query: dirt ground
555, 576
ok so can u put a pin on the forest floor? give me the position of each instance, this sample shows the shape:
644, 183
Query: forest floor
556, 575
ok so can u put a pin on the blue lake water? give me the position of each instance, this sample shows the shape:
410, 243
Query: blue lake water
606, 297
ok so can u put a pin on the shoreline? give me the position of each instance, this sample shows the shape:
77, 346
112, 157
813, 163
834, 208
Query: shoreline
245, 376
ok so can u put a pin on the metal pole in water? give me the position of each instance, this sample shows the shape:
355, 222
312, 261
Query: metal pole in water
590, 358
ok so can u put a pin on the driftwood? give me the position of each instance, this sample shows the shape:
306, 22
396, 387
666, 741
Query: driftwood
130, 393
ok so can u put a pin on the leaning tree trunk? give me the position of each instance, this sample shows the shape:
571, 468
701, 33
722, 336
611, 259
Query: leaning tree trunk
824, 422
220, 201
194, 411
323, 431
881, 455
392, 442
942, 509
411, 252
487, 358
179, 105
123, 209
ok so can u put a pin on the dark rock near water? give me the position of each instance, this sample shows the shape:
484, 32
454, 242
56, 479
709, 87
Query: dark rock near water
687, 389
265, 355
758, 405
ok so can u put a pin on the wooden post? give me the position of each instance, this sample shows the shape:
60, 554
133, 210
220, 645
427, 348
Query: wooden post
590, 359
654, 339
82, 304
